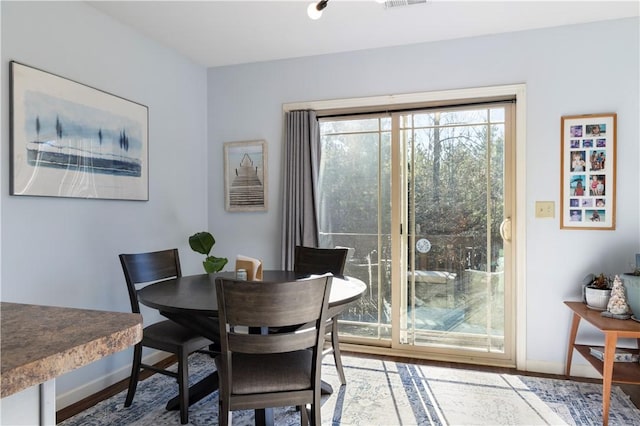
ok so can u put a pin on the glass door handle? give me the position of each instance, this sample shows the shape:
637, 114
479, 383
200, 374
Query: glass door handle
505, 229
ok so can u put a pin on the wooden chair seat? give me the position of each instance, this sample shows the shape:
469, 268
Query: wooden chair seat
269, 372
171, 337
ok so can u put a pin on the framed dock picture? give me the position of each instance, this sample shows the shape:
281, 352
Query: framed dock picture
245, 176
71, 140
588, 172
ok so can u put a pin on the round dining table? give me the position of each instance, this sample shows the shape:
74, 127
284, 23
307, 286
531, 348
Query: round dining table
192, 302
195, 295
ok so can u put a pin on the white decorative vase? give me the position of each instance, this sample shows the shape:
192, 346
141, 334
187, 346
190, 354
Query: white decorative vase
597, 298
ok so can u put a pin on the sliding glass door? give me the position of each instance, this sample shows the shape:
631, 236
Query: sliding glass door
355, 212
423, 200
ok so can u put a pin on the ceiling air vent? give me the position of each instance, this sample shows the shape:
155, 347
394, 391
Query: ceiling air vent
398, 3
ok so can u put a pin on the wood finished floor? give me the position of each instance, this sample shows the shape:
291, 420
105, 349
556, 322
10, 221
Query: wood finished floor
632, 390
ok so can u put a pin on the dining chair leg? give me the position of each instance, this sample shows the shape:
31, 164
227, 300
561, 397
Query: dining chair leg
315, 409
304, 415
135, 374
224, 416
335, 343
183, 386
213, 349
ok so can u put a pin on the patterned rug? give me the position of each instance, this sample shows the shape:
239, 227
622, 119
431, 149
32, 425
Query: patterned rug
390, 393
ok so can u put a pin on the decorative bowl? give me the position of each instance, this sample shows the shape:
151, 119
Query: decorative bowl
597, 298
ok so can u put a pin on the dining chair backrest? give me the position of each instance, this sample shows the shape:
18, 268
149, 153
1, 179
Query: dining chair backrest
167, 336
143, 268
311, 260
272, 304
258, 369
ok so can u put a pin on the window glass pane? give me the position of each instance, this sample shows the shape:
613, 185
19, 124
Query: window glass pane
466, 117
454, 288
348, 126
406, 121
349, 182
354, 190
424, 119
497, 115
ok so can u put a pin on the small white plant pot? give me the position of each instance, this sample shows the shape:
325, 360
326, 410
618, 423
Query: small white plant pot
597, 298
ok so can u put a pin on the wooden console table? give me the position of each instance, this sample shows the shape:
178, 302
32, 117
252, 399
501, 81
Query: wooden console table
621, 372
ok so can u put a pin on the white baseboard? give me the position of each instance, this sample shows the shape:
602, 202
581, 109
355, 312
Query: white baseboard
101, 383
578, 367
577, 370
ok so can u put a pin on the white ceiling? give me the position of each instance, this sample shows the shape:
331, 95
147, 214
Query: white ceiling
216, 33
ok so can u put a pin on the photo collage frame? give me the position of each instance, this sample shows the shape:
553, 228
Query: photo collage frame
588, 171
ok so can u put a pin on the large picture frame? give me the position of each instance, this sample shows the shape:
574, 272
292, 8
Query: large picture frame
245, 176
588, 172
72, 140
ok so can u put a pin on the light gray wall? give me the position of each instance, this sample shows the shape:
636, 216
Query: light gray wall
569, 70
64, 252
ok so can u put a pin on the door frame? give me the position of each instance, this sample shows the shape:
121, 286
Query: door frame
518, 228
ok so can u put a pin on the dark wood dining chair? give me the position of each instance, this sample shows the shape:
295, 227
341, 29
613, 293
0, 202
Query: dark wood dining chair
167, 336
265, 370
311, 260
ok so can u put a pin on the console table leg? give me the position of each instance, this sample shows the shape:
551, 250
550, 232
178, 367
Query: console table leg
610, 342
572, 340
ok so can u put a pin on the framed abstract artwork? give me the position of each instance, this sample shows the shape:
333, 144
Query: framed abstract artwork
245, 176
71, 140
588, 172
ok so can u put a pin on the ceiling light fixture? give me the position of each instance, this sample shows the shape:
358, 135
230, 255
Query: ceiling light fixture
315, 9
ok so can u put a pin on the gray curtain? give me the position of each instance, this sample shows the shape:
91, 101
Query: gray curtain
301, 162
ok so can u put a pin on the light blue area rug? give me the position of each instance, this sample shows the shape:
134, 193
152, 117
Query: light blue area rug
391, 393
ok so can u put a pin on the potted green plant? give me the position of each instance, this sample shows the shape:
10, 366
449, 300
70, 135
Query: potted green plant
203, 242
598, 291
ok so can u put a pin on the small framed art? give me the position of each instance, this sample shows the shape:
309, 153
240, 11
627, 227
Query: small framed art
588, 172
71, 140
245, 176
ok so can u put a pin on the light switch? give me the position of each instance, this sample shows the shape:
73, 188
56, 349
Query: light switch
545, 209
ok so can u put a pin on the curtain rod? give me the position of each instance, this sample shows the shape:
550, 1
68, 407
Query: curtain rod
412, 108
